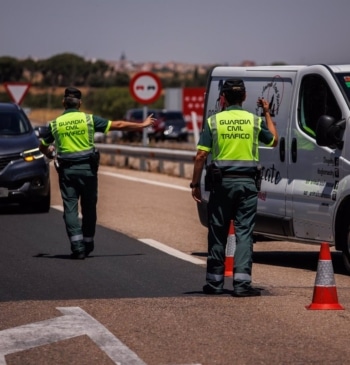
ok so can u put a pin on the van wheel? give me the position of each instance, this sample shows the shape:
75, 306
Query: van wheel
346, 252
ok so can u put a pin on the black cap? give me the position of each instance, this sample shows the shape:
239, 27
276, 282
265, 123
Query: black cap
72, 92
233, 85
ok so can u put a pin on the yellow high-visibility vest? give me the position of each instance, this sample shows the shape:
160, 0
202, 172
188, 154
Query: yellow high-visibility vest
74, 134
235, 138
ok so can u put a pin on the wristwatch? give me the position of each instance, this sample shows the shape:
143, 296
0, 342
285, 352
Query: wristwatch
194, 185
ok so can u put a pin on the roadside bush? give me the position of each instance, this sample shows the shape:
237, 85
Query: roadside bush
113, 102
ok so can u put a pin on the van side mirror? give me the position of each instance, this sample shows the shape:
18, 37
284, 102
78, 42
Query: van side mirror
329, 132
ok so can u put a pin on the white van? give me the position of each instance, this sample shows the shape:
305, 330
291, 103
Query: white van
305, 191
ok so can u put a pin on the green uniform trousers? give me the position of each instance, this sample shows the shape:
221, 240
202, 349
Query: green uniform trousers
235, 198
79, 182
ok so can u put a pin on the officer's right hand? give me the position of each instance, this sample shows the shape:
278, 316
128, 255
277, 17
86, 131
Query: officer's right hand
263, 103
196, 195
51, 152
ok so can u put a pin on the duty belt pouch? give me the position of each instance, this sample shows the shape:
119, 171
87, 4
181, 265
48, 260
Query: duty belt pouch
258, 178
95, 160
213, 177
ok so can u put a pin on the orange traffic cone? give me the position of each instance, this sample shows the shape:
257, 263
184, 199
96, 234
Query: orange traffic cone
325, 292
230, 250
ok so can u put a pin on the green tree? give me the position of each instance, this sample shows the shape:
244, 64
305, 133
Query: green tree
122, 79
113, 102
64, 69
29, 67
99, 73
109, 102
10, 69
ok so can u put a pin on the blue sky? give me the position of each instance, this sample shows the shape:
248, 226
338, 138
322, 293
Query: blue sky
190, 31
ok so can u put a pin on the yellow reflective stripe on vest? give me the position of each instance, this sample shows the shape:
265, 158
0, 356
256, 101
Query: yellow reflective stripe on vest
256, 132
74, 134
245, 128
91, 129
214, 132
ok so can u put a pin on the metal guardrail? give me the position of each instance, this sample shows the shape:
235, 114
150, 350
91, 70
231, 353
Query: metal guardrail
142, 157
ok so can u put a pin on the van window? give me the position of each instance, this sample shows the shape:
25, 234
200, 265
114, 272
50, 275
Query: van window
316, 99
344, 80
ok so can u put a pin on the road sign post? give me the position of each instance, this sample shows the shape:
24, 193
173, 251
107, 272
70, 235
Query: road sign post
145, 88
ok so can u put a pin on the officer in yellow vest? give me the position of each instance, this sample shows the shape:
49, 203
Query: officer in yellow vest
77, 163
232, 137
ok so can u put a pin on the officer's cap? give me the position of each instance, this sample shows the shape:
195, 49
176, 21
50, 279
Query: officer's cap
233, 85
72, 92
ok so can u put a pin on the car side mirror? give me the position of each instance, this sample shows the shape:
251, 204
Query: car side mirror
329, 132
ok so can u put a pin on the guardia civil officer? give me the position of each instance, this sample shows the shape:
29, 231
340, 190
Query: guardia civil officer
233, 189
77, 163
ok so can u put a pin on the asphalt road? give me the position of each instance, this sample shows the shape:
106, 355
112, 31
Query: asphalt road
150, 300
122, 267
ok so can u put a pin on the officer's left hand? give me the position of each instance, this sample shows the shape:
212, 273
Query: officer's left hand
196, 195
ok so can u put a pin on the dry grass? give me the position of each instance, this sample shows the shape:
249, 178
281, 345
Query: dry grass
42, 116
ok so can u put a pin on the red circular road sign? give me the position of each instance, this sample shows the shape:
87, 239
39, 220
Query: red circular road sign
145, 87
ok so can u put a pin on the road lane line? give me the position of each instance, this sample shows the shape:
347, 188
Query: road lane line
172, 251
159, 246
74, 322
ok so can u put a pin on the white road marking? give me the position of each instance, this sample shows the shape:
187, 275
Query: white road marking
159, 246
172, 251
74, 322
151, 182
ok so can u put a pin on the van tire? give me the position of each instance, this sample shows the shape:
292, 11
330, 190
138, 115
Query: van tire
346, 252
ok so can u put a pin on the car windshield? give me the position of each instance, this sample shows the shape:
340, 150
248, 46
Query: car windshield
344, 79
13, 124
174, 118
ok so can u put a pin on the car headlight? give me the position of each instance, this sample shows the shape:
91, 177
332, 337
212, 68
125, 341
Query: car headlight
31, 155
168, 130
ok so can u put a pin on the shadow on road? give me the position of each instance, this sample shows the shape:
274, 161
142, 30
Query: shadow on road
68, 257
16, 209
305, 260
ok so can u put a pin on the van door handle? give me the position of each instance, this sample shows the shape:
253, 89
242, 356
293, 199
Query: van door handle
294, 150
282, 149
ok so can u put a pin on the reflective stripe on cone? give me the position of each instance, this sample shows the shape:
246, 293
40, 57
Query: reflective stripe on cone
230, 251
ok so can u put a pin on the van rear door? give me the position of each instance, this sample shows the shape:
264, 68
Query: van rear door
313, 171
275, 85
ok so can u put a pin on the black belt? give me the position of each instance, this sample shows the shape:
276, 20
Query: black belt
237, 175
66, 164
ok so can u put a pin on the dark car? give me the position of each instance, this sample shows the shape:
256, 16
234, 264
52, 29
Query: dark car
24, 171
174, 126
136, 115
